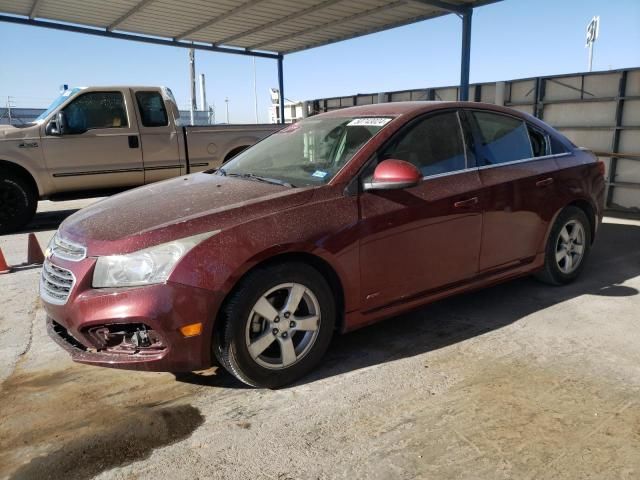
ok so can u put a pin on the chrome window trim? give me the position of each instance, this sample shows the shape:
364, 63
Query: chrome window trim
524, 160
446, 174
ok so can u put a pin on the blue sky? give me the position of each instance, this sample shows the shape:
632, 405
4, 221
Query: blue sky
510, 39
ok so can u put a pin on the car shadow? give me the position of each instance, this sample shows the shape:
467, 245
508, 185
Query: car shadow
49, 220
614, 259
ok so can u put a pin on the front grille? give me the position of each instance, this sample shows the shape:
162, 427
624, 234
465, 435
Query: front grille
67, 250
55, 283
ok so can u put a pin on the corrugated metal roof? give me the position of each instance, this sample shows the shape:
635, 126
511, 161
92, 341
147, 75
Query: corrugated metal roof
280, 26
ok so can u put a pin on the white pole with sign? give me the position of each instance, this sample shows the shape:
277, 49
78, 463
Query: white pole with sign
593, 28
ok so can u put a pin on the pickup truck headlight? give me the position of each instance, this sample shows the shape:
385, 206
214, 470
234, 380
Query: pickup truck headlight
144, 267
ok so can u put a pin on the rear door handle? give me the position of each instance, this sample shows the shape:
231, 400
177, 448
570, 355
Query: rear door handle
545, 182
466, 203
133, 141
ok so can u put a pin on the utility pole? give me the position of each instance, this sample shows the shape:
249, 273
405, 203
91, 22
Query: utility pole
255, 89
593, 29
9, 109
203, 95
192, 74
226, 101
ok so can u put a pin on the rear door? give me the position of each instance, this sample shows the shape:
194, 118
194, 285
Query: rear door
422, 238
158, 137
517, 173
100, 150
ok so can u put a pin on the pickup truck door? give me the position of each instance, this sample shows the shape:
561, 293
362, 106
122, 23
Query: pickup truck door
100, 148
159, 137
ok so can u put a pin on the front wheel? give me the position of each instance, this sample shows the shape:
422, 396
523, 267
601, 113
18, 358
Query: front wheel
18, 203
567, 248
276, 326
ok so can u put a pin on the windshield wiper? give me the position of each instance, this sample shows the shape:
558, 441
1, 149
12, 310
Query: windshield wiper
258, 178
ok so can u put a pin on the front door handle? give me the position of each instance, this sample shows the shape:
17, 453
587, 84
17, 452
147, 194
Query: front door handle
133, 141
470, 202
545, 182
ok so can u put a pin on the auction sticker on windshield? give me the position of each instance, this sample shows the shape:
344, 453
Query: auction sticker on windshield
369, 122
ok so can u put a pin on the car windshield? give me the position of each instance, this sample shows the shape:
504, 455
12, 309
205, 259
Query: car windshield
57, 102
306, 153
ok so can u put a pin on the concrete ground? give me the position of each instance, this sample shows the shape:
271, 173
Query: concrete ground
518, 381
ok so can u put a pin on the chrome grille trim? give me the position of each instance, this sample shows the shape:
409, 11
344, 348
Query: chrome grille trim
67, 250
56, 283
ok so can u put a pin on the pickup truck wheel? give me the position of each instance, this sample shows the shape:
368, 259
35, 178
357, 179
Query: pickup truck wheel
567, 248
18, 203
277, 325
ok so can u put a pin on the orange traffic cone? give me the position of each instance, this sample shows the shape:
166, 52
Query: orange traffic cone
4, 268
34, 252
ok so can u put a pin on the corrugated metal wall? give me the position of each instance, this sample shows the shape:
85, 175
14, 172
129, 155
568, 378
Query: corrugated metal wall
598, 110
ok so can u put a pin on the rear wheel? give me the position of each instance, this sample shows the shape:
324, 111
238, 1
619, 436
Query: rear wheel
567, 248
18, 203
276, 326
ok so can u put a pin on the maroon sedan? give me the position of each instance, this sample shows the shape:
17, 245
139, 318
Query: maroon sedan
333, 223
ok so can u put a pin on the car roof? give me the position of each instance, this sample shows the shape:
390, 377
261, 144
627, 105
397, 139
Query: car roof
415, 108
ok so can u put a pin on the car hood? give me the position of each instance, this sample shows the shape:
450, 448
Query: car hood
10, 132
177, 208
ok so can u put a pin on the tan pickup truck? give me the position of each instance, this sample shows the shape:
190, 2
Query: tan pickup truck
99, 140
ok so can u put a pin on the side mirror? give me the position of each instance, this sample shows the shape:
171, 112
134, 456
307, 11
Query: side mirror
61, 119
394, 175
57, 126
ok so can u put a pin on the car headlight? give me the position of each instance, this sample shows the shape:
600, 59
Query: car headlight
144, 267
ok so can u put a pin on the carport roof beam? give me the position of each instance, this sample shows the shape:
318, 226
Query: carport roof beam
135, 38
139, 6
332, 23
220, 18
34, 9
279, 21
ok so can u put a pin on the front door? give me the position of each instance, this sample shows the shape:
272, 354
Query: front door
426, 237
100, 148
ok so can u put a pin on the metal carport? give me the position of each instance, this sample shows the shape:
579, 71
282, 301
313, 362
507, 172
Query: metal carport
261, 28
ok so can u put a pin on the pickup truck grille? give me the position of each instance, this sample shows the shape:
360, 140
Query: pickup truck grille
67, 250
55, 283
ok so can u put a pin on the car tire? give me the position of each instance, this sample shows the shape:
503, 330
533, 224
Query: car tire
277, 347
18, 203
567, 248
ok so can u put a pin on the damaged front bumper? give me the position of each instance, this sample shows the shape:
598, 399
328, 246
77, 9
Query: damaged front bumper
136, 328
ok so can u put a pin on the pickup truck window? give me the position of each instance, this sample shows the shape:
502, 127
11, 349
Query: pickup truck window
57, 102
306, 153
96, 110
152, 111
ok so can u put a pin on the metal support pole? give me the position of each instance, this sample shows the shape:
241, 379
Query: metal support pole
281, 89
192, 81
255, 90
465, 59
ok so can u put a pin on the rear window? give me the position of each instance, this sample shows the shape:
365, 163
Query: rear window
557, 146
152, 111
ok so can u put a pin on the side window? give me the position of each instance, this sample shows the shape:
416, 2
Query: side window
152, 111
538, 142
434, 145
96, 110
503, 139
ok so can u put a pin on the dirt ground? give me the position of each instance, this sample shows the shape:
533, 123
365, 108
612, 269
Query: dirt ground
520, 381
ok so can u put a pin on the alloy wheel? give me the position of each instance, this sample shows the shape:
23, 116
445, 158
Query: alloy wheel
570, 246
282, 326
